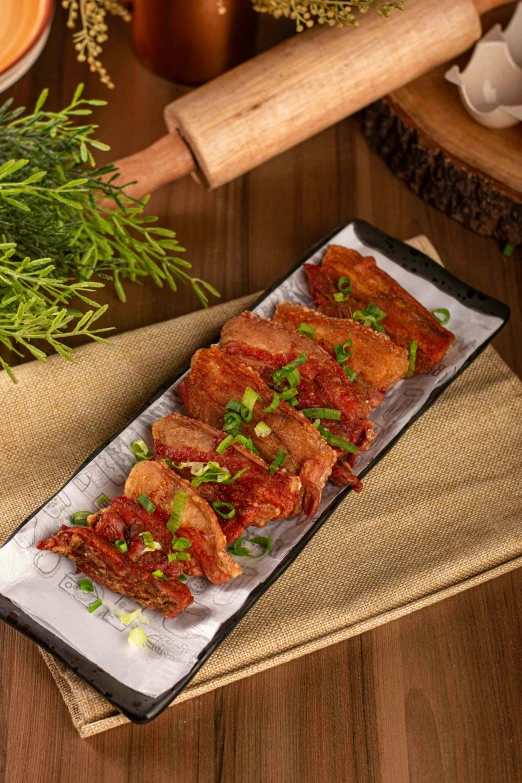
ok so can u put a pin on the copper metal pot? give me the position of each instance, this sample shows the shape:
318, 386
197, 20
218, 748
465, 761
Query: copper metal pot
190, 41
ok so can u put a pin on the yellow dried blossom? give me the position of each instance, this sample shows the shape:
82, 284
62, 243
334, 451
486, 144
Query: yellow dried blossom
330, 12
93, 30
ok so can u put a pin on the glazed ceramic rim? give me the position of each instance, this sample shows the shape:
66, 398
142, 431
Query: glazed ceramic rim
48, 6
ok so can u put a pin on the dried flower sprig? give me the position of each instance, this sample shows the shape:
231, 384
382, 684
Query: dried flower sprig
93, 31
334, 13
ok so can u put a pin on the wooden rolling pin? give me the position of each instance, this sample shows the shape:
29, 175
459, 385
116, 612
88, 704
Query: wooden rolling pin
297, 89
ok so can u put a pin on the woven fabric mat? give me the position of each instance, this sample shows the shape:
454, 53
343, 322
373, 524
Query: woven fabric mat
439, 514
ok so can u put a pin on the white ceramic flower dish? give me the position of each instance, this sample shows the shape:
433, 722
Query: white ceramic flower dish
490, 86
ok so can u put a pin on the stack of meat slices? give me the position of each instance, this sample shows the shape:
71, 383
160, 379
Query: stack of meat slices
273, 414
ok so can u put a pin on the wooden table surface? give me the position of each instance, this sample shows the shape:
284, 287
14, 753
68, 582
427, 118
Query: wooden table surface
432, 698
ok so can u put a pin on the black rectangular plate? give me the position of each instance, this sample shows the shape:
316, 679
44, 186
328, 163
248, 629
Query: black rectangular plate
141, 708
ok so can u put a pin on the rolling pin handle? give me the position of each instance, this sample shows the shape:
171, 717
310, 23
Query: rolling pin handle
166, 160
488, 5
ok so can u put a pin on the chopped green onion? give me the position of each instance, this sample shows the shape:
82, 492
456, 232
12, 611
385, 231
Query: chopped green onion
341, 354
350, 373
344, 284
232, 423
444, 315
178, 556
508, 250
289, 372
159, 574
121, 544
411, 360
103, 499
141, 451
289, 393
168, 462
247, 443
148, 541
182, 578
372, 316
80, 517
95, 605
236, 475
262, 430
294, 402
211, 472
223, 446
86, 585
335, 440
137, 637
250, 397
273, 405
243, 411
322, 413
147, 504
339, 297
176, 514
307, 331
224, 510
233, 405
278, 461
240, 550
180, 544
127, 619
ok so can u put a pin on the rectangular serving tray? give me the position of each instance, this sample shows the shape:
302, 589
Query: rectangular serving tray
140, 707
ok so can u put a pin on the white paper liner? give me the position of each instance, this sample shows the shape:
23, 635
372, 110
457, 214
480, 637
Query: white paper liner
45, 586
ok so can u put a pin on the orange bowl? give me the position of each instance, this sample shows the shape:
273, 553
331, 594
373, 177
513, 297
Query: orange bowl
24, 27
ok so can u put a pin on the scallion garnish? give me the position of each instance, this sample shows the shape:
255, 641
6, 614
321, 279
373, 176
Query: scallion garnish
168, 462
273, 405
411, 360
335, 440
444, 315
508, 250
182, 578
178, 556
372, 316
240, 550
180, 544
224, 510
307, 331
176, 514
80, 517
294, 402
103, 499
339, 297
247, 443
147, 504
344, 284
149, 544
159, 574
289, 393
137, 637
321, 413
96, 605
86, 585
289, 372
121, 544
250, 397
232, 423
223, 446
352, 375
343, 352
243, 411
262, 430
141, 451
278, 461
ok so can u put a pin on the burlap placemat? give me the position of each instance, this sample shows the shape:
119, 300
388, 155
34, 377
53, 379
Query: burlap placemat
439, 514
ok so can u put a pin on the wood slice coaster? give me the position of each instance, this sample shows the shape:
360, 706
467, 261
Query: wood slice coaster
428, 140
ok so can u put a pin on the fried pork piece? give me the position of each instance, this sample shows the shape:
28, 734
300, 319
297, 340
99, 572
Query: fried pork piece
378, 362
216, 378
103, 563
199, 523
406, 320
126, 520
267, 347
256, 496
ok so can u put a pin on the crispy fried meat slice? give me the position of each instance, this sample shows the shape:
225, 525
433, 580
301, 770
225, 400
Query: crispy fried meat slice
267, 347
217, 378
406, 320
126, 520
377, 361
257, 496
102, 562
199, 523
